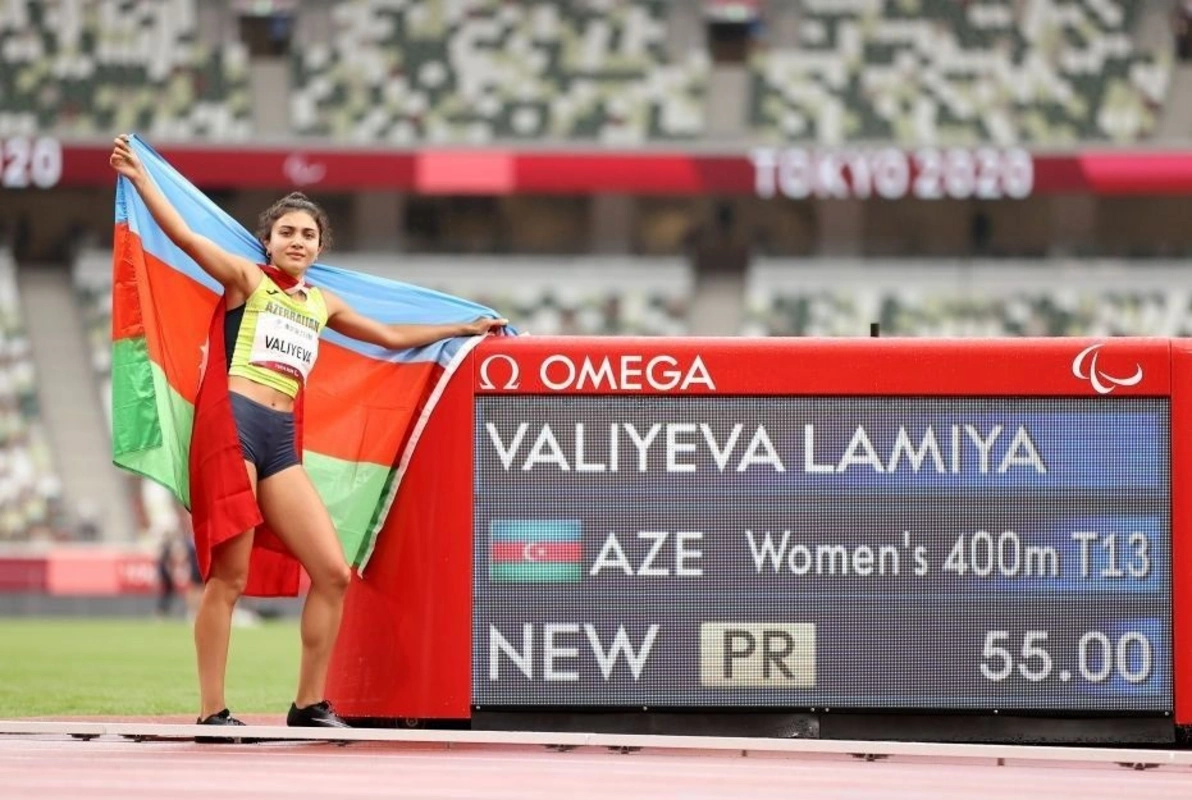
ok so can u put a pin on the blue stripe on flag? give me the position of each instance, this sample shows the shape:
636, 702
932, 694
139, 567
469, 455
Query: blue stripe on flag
381, 299
535, 530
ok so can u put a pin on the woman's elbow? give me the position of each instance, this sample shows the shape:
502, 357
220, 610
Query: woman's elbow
397, 341
390, 339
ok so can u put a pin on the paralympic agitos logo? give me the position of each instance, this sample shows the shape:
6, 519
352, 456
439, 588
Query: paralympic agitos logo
1085, 367
620, 373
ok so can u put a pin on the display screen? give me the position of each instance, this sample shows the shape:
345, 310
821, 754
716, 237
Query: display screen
822, 552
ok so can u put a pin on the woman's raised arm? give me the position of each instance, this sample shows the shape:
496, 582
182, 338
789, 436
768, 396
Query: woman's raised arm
233, 271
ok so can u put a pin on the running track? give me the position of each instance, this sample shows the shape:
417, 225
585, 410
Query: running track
52, 767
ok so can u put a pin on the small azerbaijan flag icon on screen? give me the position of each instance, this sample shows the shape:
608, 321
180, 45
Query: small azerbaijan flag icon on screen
535, 551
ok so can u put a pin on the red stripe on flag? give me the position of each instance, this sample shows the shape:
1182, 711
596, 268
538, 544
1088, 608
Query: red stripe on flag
536, 552
366, 408
137, 310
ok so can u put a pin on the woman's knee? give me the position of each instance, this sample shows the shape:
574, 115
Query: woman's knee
229, 568
228, 586
333, 577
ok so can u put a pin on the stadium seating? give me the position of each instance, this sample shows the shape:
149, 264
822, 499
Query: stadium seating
591, 295
944, 72
952, 299
75, 68
930, 72
470, 72
93, 289
30, 490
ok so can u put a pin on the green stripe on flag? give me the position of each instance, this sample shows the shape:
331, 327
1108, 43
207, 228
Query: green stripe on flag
535, 573
376, 522
135, 423
352, 491
151, 422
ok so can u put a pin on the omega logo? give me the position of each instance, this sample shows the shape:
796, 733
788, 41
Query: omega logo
512, 381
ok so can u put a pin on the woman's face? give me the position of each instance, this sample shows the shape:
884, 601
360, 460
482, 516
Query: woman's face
294, 242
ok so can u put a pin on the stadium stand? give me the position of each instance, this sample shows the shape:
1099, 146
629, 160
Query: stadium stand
953, 299
93, 290
943, 72
103, 66
30, 490
923, 72
590, 295
402, 71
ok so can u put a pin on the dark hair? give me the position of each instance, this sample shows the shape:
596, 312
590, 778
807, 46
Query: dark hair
294, 201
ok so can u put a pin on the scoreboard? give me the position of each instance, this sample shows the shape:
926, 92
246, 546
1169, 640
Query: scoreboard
775, 526
780, 534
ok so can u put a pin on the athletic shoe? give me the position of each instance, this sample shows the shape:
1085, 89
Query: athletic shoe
318, 715
221, 718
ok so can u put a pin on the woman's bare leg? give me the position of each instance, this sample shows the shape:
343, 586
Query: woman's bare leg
296, 513
213, 620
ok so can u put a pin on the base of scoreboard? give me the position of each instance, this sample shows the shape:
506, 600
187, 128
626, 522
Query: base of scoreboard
774, 725
957, 728
1000, 729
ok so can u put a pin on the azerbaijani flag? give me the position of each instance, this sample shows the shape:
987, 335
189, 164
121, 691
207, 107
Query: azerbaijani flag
359, 417
535, 551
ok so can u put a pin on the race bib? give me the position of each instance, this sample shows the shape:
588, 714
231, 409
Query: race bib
284, 345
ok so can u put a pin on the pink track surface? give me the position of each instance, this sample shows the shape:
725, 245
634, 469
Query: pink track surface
51, 767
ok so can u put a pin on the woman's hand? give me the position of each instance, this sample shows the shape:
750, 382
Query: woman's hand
124, 160
482, 326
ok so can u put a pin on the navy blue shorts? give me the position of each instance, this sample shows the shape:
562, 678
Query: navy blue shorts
266, 436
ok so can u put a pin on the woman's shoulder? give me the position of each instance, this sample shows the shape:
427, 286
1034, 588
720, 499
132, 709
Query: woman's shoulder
325, 295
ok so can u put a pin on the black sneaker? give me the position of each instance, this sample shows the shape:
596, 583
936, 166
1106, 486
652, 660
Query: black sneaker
318, 715
221, 718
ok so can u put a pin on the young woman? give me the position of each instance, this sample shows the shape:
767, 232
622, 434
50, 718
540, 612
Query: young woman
265, 374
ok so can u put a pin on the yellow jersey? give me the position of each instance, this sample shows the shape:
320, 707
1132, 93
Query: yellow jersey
273, 339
